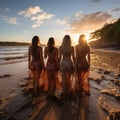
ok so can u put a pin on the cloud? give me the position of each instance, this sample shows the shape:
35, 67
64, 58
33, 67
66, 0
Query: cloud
62, 22
96, 1
36, 14
30, 11
10, 20
114, 10
7, 9
85, 23
40, 18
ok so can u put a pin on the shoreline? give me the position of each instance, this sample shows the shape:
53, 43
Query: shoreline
104, 87
107, 50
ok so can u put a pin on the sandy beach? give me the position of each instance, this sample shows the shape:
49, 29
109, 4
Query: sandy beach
103, 104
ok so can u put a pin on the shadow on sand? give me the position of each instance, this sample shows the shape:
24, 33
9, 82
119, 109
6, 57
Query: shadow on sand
47, 108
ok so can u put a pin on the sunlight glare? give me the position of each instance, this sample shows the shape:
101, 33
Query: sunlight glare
75, 38
87, 36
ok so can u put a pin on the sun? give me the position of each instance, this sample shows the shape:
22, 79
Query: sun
75, 38
87, 37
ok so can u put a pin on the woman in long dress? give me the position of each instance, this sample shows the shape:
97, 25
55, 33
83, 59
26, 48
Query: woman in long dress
35, 61
82, 65
66, 65
52, 65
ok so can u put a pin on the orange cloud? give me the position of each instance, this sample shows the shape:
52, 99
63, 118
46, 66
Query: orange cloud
86, 23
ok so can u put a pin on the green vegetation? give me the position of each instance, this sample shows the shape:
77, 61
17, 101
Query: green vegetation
13, 44
107, 36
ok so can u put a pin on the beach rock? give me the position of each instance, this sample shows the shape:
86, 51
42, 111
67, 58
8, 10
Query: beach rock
102, 77
3, 100
22, 84
106, 72
117, 82
102, 101
6, 75
114, 115
113, 92
118, 75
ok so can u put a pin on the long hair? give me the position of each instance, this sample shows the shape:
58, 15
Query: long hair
35, 42
51, 44
66, 45
83, 44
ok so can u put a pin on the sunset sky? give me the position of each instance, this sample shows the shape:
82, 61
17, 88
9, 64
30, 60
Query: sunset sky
20, 20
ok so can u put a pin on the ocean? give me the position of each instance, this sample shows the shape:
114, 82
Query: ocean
13, 54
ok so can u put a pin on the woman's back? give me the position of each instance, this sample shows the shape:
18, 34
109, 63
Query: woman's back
52, 56
66, 55
82, 53
35, 54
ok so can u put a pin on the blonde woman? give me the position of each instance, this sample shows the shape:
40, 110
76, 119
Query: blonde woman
82, 65
66, 64
35, 61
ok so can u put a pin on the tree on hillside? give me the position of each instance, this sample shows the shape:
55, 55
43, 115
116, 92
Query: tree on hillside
109, 33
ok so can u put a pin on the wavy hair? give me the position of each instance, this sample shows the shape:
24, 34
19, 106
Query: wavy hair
83, 44
51, 44
35, 43
66, 45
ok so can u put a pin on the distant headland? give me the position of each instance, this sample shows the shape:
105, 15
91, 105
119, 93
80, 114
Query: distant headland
13, 43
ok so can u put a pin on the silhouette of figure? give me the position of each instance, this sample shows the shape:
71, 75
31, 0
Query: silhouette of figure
35, 61
51, 52
82, 65
66, 64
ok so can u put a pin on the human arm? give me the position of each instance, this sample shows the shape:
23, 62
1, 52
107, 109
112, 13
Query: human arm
29, 57
45, 53
89, 57
57, 58
41, 58
73, 56
60, 55
76, 56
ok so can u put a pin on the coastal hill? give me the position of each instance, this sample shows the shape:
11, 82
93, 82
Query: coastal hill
107, 36
13, 44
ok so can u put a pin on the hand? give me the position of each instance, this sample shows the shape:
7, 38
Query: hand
44, 68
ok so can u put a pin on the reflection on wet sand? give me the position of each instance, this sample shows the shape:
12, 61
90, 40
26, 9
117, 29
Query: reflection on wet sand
57, 109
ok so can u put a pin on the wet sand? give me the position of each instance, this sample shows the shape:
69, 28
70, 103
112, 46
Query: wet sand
16, 104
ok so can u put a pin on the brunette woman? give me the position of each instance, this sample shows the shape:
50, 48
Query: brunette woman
52, 65
82, 65
35, 61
